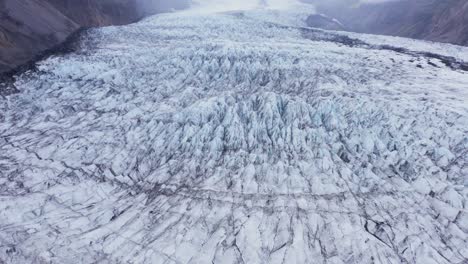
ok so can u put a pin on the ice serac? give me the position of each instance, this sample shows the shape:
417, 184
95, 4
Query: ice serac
240, 137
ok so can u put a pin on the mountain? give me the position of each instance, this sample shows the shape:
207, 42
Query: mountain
324, 22
239, 137
435, 20
30, 27
40, 26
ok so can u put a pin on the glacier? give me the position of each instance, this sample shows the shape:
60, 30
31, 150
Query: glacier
237, 137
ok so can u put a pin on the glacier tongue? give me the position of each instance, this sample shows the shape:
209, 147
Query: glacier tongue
229, 138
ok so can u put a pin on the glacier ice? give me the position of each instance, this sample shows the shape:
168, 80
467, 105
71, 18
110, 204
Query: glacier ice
232, 138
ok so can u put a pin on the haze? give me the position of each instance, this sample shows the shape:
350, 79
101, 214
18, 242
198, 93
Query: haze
227, 5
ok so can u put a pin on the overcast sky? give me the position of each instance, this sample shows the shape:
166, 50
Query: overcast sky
222, 5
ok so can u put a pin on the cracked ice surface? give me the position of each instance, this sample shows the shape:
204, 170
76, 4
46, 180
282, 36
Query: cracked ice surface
227, 138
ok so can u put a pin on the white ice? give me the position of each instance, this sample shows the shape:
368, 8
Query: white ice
236, 138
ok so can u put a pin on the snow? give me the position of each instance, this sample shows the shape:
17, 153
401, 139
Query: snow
235, 138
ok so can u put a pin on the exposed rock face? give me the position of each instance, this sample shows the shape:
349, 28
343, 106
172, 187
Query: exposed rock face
325, 22
98, 13
28, 27
450, 24
443, 21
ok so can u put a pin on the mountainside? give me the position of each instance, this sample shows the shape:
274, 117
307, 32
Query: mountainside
442, 21
240, 137
98, 13
29, 27
324, 22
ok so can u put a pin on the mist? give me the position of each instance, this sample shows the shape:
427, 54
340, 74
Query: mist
158, 6
344, 3
228, 5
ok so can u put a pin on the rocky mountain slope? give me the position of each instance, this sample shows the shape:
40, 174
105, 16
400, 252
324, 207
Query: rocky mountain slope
442, 21
324, 22
240, 137
21, 38
29, 27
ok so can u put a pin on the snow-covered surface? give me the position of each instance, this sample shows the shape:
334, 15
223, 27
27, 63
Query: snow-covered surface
459, 52
225, 138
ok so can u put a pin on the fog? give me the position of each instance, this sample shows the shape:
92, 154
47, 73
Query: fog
156, 6
216, 5
344, 3
227, 5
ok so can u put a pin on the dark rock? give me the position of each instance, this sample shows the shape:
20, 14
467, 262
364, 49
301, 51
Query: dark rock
435, 20
30, 27
324, 22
